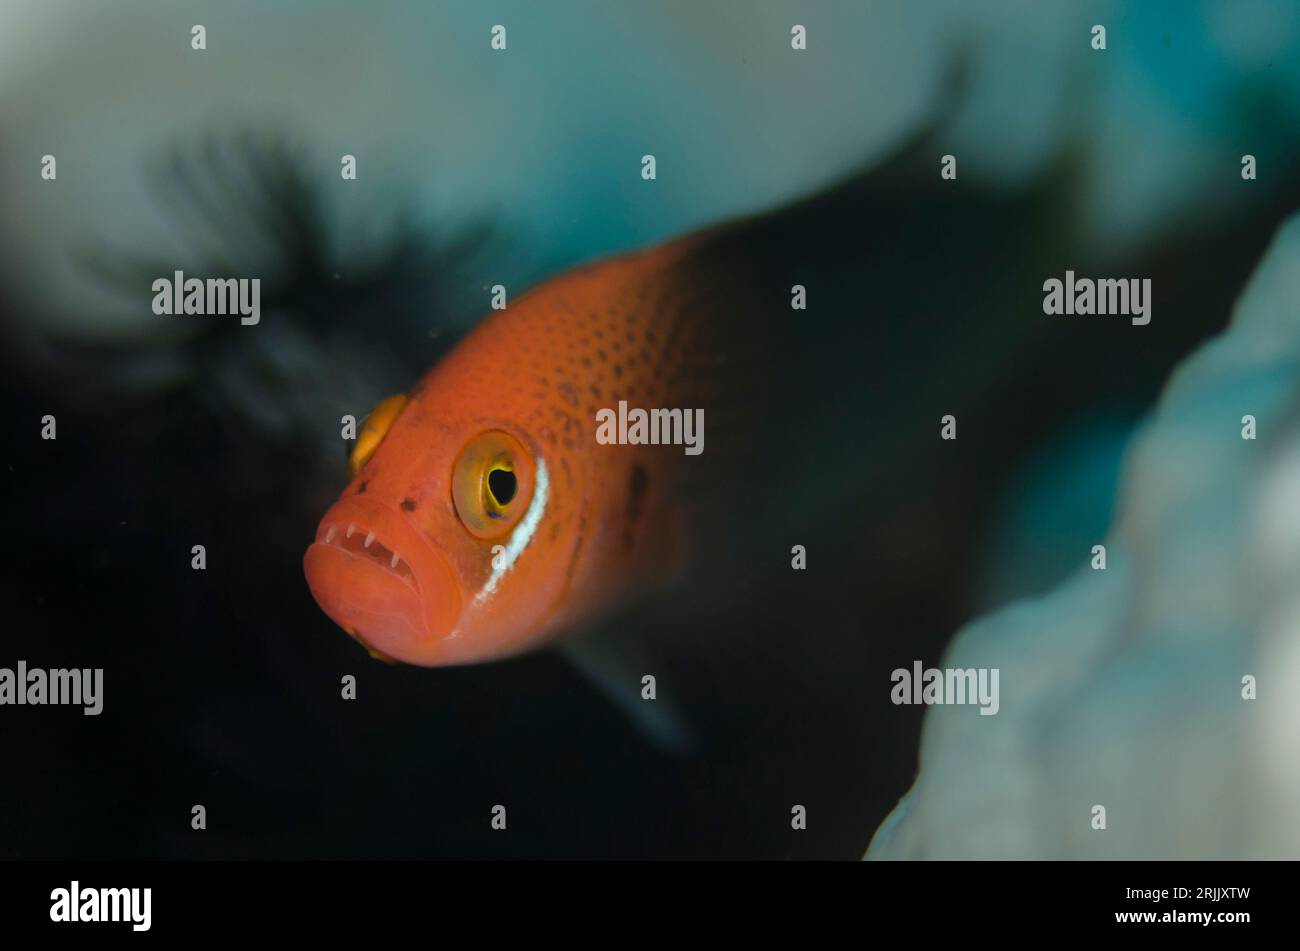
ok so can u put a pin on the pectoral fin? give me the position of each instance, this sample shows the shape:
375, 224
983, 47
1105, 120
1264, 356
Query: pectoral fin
627, 671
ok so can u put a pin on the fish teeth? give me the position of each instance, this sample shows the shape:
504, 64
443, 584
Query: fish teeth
369, 540
394, 562
351, 528
329, 535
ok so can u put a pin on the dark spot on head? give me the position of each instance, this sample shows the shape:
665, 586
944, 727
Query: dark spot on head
362, 487
618, 370
408, 505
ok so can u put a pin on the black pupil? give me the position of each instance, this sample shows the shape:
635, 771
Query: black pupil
502, 484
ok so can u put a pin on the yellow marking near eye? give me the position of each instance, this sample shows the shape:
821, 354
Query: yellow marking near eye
373, 431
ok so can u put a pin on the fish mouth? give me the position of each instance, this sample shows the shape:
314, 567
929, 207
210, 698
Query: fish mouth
376, 576
368, 547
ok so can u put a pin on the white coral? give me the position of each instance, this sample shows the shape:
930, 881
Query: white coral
1124, 687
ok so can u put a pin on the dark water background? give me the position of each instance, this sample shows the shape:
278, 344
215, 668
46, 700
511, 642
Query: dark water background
222, 687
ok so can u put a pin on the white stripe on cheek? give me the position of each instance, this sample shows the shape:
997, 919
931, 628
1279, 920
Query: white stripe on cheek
523, 533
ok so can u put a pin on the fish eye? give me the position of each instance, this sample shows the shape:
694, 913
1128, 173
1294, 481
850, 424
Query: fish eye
491, 483
373, 430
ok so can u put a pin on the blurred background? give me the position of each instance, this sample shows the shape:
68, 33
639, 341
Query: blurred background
475, 168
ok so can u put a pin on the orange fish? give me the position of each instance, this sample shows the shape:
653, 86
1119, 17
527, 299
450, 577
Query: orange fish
796, 555
484, 516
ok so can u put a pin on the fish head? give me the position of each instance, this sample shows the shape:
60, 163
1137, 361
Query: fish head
450, 545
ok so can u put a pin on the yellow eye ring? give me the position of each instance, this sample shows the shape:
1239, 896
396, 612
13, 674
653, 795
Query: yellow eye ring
491, 483
373, 431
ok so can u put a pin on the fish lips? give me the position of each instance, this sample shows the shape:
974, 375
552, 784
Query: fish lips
376, 576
